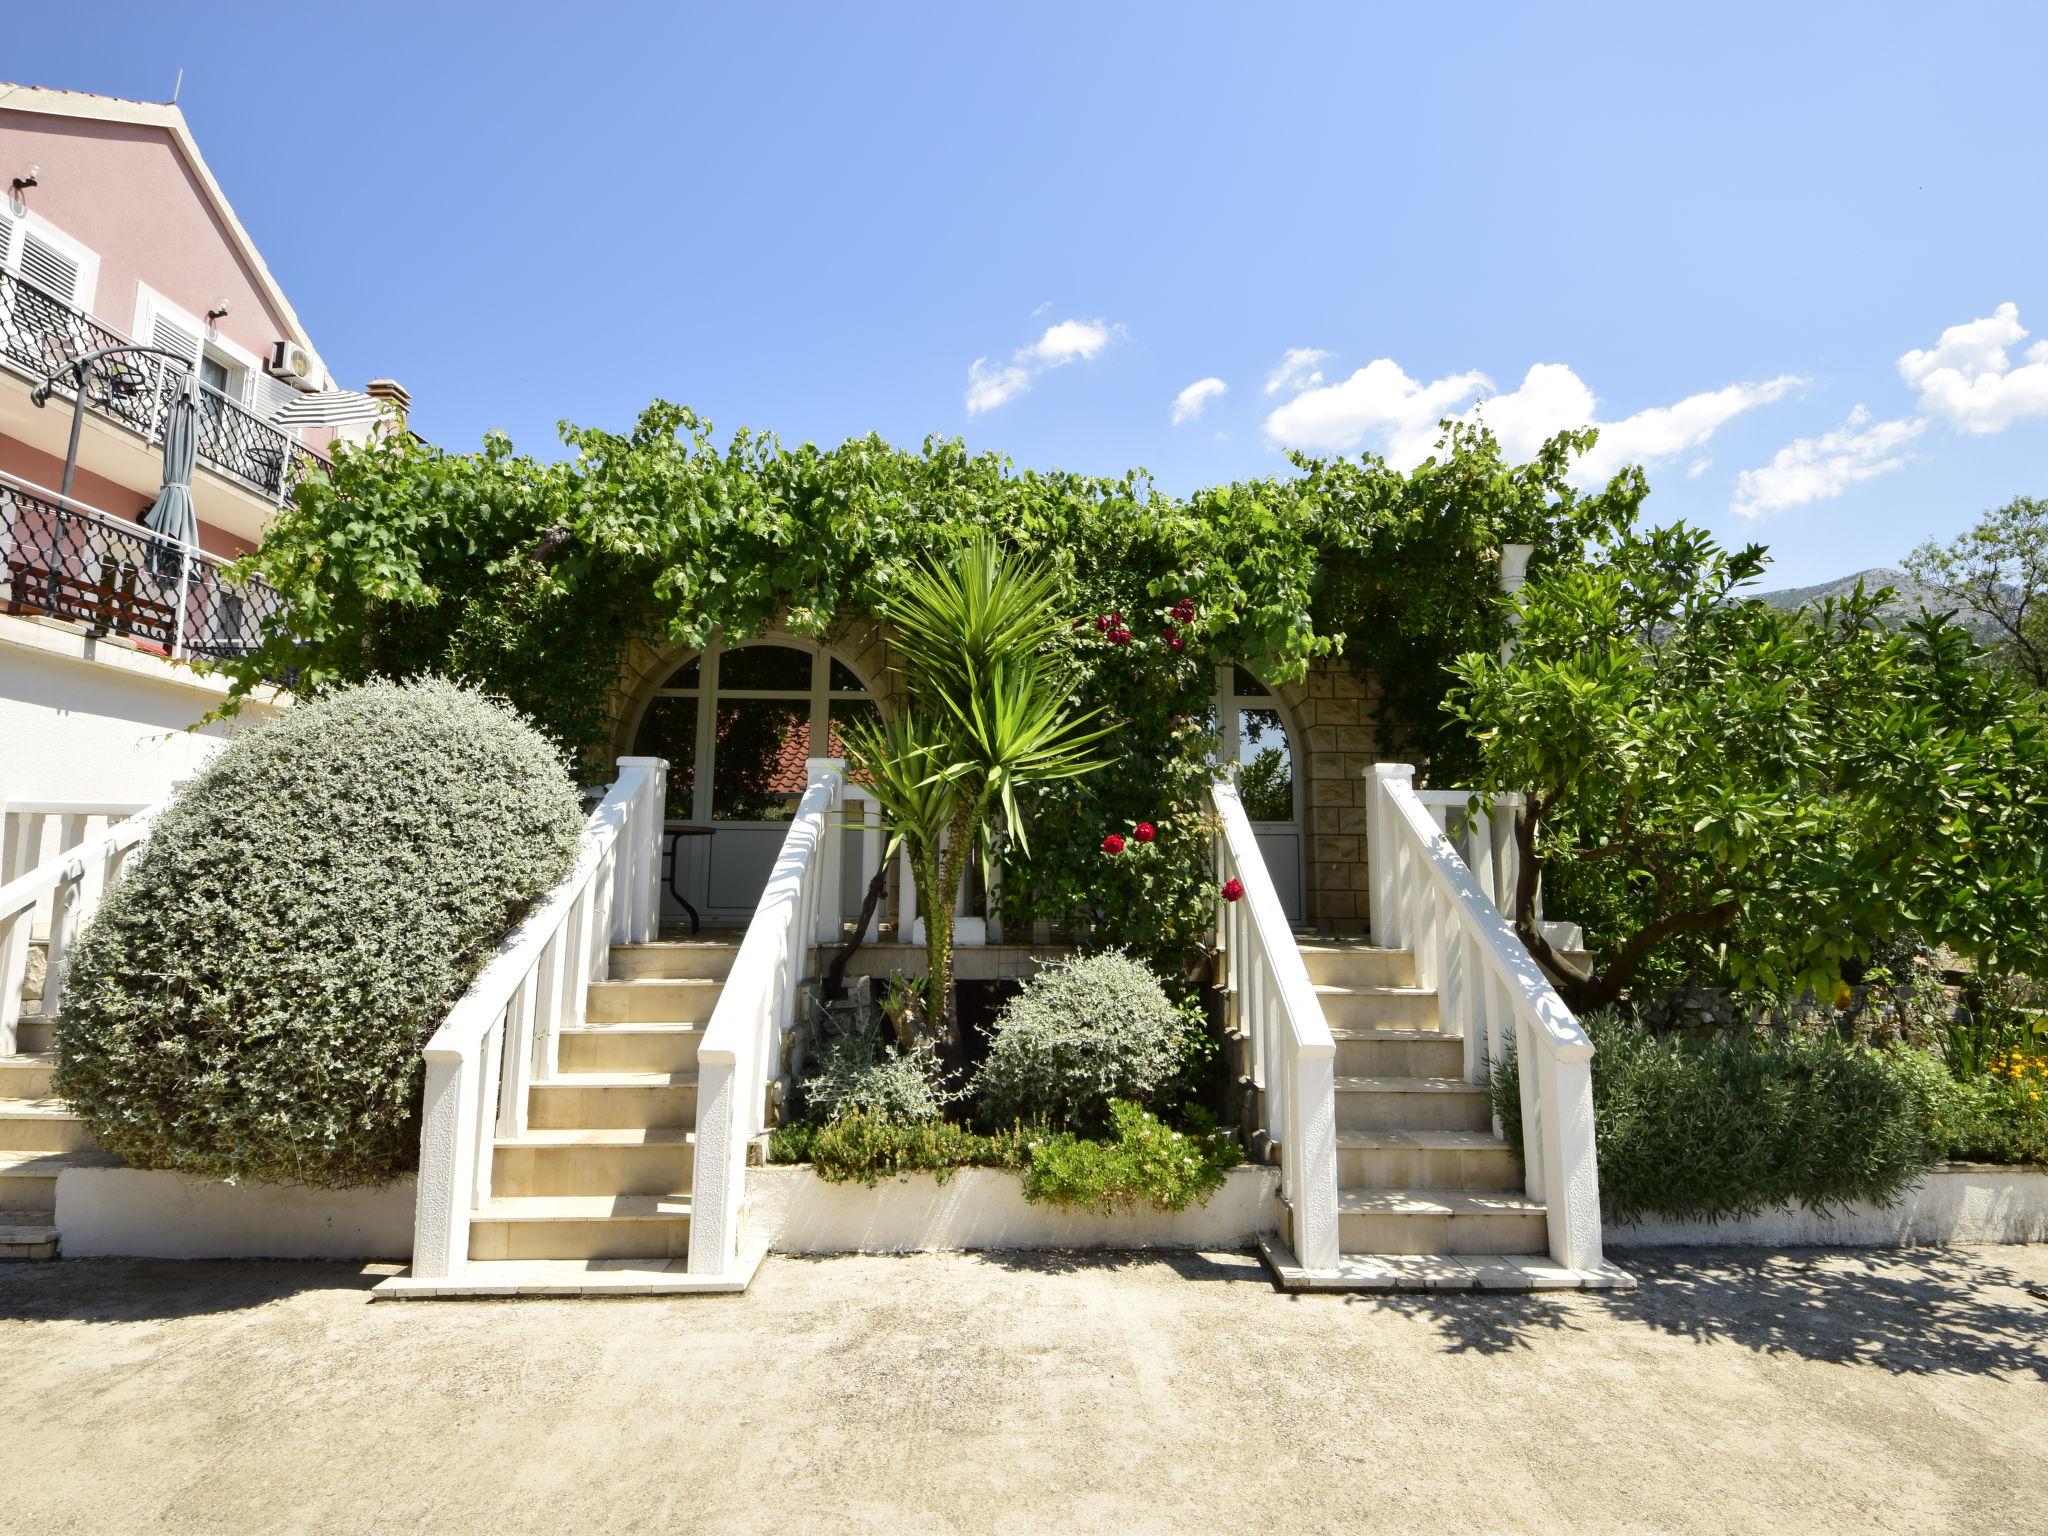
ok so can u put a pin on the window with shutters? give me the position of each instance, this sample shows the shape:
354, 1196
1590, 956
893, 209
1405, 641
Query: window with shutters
38, 252
223, 367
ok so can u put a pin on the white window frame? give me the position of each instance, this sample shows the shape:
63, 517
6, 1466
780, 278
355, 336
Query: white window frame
21, 219
243, 366
1228, 702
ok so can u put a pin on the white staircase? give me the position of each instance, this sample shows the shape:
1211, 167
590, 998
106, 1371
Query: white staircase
39, 1138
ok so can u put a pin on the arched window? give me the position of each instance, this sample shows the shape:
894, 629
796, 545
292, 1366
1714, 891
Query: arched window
736, 724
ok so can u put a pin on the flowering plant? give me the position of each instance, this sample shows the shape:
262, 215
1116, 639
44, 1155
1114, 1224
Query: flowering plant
1144, 831
1113, 843
1233, 889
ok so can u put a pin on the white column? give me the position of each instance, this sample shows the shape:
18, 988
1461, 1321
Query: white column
1388, 924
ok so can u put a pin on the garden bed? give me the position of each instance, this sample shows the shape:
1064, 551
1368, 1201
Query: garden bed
793, 1210
1955, 1205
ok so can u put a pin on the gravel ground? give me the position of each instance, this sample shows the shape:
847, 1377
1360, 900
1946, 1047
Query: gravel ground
1806, 1390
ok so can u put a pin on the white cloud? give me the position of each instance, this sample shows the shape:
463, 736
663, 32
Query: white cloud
1297, 370
1819, 468
1065, 341
1697, 468
1967, 377
1383, 403
1194, 400
1041, 309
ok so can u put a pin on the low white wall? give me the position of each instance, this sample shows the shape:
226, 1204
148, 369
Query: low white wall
1960, 1204
795, 1211
96, 720
144, 1214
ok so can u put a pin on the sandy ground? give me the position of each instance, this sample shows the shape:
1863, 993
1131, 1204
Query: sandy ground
1805, 1390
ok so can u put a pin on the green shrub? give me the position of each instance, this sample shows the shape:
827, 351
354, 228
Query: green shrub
1147, 1162
1738, 1123
856, 1071
2001, 1115
251, 1002
1082, 1032
863, 1148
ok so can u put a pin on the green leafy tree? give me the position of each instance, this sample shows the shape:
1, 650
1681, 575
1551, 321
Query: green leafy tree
1999, 570
1795, 788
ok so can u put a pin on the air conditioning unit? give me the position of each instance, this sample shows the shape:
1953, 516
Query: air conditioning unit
289, 360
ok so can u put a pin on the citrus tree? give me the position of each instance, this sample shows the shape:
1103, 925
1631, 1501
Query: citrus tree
1793, 788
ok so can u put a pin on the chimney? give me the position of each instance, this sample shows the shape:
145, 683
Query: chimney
394, 397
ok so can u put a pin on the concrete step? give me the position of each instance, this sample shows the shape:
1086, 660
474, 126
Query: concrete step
581, 1227
1378, 1007
1436, 1221
1333, 963
1439, 1272
1411, 1104
42, 1125
606, 1100
34, 1037
27, 1235
674, 960
657, 1161
27, 1075
573, 1277
652, 1001
28, 1180
1398, 1053
1425, 1160
630, 1048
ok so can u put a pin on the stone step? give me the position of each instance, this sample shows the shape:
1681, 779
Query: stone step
674, 960
28, 1180
630, 1047
1398, 1053
1335, 964
1378, 1007
1436, 1221
27, 1235
1425, 1160
34, 1037
607, 1100
572, 1277
27, 1075
1439, 1272
42, 1125
687, 1001
581, 1227
611, 1162
1411, 1104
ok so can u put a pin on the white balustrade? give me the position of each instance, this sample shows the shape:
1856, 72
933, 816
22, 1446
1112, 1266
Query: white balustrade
742, 1047
1293, 1057
1427, 897
503, 1033
55, 891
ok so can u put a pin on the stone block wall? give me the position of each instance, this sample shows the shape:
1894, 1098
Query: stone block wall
1335, 717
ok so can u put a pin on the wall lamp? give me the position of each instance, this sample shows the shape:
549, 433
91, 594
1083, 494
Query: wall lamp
23, 183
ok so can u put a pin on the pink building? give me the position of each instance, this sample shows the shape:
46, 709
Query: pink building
113, 230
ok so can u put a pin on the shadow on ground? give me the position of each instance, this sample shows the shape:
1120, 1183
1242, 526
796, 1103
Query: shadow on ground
1906, 1311
140, 1290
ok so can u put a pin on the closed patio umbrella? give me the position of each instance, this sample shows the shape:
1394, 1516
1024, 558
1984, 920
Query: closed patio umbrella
172, 515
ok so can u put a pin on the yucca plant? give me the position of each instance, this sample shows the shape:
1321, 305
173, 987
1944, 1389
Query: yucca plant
990, 712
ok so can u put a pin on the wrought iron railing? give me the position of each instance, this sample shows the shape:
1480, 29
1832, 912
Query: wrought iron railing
40, 333
71, 562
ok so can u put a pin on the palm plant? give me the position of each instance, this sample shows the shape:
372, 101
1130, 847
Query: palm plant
990, 712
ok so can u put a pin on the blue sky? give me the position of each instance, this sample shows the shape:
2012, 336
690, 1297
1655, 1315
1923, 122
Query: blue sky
1036, 228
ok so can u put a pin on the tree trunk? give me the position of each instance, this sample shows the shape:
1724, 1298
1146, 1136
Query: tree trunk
835, 978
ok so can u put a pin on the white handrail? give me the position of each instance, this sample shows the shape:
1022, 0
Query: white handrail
742, 1046
1294, 1057
503, 1033
1427, 899
73, 883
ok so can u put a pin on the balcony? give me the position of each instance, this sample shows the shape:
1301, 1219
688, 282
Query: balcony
67, 561
40, 333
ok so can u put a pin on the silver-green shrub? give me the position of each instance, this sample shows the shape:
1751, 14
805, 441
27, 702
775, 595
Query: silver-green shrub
251, 1001
1081, 1032
855, 1071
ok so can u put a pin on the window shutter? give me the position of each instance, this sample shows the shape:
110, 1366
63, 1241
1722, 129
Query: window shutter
11, 222
172, 337
48, 268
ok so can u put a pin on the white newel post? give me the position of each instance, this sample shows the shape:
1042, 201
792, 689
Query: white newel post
1514, 575
1312, 1139
440, 1241
636, 900
1381, 846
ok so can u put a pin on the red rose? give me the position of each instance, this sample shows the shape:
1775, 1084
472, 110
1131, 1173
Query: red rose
1233, 890
1175, 643
1117, 619
1144, 831
1101, 623
1184, 610
1113, 843
1119, 637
